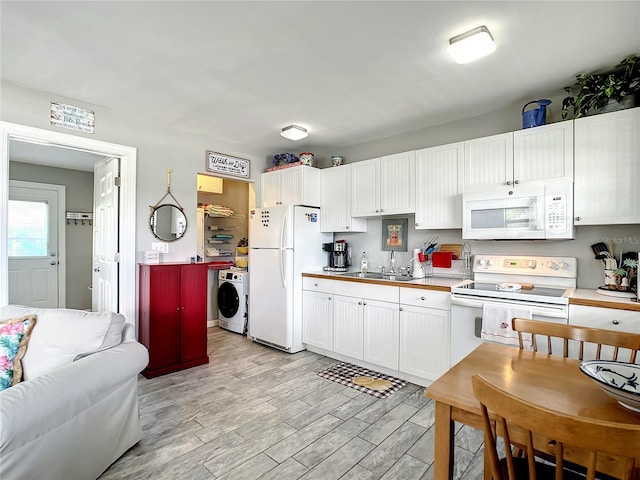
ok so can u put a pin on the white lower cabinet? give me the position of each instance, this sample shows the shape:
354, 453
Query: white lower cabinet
607, 319
348, 326
424, 333
317, 312
404, 331
381, 333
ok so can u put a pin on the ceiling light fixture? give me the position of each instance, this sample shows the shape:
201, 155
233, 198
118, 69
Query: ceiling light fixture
294, 132
471, 45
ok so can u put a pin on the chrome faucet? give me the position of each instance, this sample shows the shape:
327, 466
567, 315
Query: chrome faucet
392, 267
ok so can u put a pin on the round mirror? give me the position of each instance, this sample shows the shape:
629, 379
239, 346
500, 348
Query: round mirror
167, 222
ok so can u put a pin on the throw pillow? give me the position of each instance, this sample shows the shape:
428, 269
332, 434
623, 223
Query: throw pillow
14, 337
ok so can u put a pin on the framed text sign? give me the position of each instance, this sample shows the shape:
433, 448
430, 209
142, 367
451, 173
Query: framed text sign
227, 165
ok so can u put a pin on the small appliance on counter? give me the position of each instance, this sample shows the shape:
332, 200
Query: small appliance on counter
339, 258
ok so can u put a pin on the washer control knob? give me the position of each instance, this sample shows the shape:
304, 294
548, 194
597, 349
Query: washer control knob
532, 264
489, 263
482, 262
563, 265
552, 265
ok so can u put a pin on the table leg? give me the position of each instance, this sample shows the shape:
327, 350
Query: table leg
443, 449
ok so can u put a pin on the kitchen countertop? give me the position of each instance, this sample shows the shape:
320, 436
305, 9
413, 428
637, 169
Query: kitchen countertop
443, 284
590, 298
579, 296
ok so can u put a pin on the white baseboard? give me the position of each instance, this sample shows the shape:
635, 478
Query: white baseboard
212, 323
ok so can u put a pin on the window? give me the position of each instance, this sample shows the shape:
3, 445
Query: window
28, 225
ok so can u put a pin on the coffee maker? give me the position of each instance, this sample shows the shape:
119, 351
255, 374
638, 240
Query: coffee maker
339, 259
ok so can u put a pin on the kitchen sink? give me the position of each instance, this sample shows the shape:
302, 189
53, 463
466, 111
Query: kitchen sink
379, 276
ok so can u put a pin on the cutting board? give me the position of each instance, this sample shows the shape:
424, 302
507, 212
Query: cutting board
454, 248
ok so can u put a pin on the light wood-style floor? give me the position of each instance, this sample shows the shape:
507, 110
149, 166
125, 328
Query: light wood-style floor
257, 413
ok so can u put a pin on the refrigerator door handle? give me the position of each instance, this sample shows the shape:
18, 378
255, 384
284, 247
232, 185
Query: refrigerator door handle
282, 275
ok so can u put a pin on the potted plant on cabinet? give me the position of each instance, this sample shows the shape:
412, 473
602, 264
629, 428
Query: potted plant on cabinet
593, 93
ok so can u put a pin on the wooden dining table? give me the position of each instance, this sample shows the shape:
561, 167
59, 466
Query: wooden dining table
552, 381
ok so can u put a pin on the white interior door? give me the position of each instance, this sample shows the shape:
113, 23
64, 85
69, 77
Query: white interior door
104, 279
35, 224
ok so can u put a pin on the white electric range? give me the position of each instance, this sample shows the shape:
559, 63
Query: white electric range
541, 284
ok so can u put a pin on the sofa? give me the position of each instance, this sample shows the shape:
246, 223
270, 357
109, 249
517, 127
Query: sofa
74, 409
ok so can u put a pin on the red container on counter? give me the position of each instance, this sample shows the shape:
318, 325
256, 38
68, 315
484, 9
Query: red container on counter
442, 259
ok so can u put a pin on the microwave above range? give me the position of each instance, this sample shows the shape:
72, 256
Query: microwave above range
543, 212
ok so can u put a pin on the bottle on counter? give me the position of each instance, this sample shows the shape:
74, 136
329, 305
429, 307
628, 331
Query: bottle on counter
364, 265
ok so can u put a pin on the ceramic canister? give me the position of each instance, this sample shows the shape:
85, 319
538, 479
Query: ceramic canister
336, 160
306, 158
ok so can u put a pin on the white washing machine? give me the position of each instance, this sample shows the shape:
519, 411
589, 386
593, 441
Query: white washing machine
233, 297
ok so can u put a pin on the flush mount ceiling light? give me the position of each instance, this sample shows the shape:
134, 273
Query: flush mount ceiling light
294, 132
471, 45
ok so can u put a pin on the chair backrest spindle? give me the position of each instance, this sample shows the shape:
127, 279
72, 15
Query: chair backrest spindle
581, 335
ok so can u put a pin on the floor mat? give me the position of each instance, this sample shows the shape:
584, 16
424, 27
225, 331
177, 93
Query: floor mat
368, 381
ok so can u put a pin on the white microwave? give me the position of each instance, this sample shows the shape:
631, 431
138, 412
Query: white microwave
527, 213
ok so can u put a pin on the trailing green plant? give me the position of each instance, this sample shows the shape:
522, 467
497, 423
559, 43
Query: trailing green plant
594, 91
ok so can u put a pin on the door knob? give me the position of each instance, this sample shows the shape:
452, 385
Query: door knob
97, 269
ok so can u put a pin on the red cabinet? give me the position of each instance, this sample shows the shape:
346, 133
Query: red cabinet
173, 316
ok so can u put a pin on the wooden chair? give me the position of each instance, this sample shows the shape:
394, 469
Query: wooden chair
517, 418
566, 333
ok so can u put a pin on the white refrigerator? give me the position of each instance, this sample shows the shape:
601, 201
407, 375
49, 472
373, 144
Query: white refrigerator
284, 241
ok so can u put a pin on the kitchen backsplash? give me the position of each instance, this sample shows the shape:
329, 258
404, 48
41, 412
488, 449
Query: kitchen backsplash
625, 238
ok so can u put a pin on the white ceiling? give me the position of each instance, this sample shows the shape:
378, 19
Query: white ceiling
350, 72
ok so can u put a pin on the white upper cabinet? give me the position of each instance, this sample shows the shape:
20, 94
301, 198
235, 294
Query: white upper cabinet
336, 202
209, 184
507, 160
383, 186
439, 179
298, 185
398, 183
543, 153
365, 188
607, 168
488, 162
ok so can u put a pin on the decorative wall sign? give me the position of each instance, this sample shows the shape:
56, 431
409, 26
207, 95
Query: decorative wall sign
74, 118
394, 234
227, 165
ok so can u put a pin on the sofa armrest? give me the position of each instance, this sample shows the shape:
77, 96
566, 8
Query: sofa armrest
38, 406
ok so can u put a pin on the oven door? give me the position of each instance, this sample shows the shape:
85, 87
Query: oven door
466, 321
500, 218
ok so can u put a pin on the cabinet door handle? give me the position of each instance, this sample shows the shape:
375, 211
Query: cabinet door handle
359, 303
509, 183
516, 182
364, 303
578, 219
615, 321
401, 309
315, 284
330, 298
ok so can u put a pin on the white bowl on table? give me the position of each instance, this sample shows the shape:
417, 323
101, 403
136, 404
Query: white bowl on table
619, 380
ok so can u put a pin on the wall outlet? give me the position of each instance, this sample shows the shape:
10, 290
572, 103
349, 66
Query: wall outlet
160, 247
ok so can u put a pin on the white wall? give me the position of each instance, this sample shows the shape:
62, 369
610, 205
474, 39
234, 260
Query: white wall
626, 238
159, 149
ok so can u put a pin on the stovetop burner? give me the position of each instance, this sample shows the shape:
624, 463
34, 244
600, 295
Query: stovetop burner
535, 291
546, 279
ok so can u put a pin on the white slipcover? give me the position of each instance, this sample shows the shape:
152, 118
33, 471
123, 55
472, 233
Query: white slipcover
74, 420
